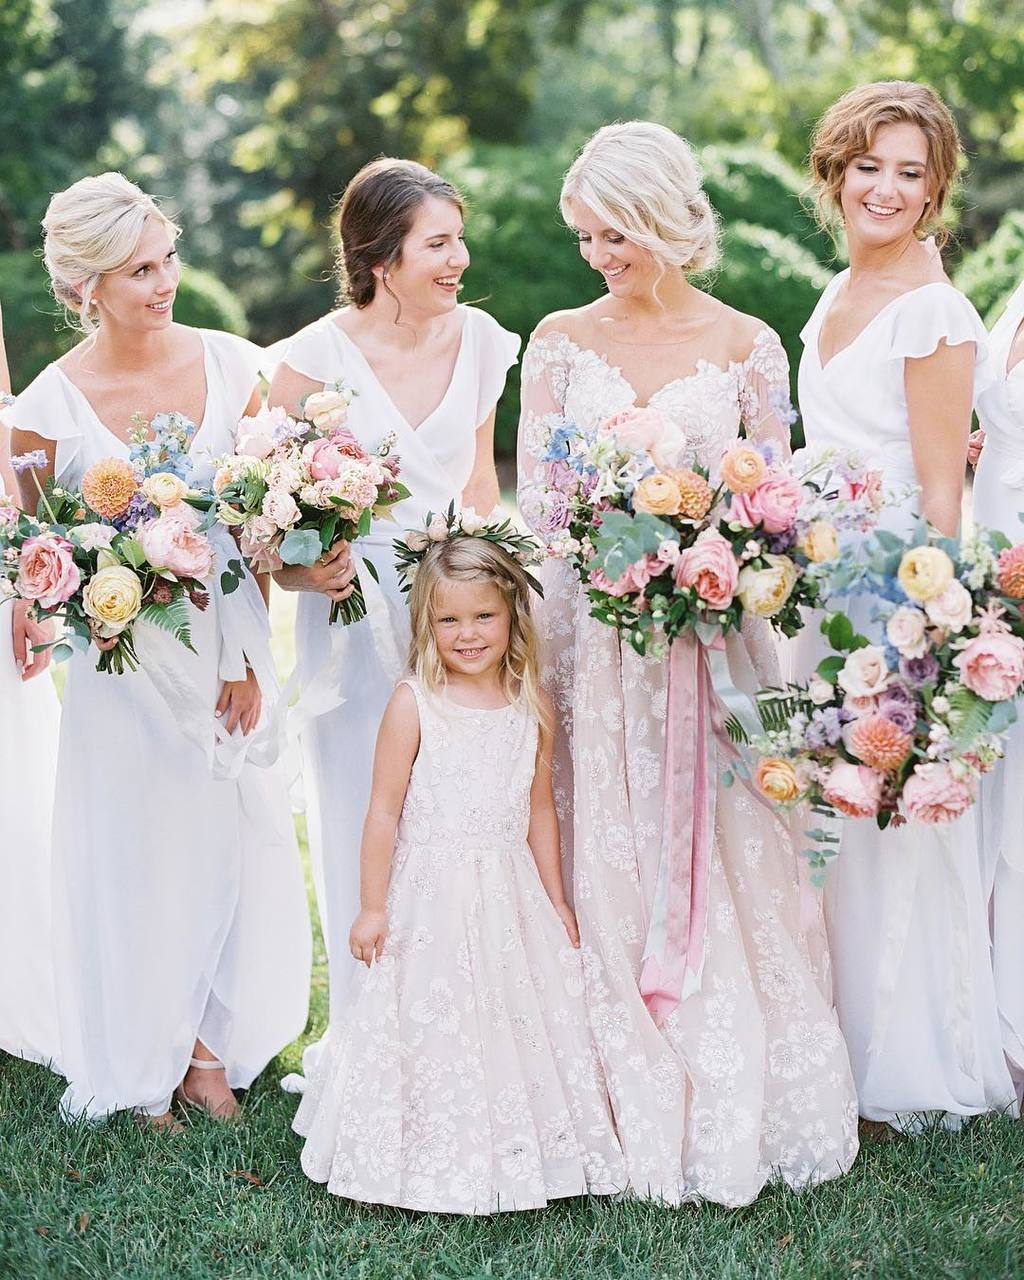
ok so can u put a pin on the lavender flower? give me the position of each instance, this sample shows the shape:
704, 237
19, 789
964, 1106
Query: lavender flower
826, 728
34, 461
919, 671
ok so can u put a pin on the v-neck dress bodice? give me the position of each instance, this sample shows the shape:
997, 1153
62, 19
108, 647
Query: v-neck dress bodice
348, 673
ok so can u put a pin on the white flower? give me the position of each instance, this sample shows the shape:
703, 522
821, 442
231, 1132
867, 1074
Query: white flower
668, 551
280, 507
819, 691
437, 530
952, 610
865, 672
471, 522
92, 536
416, 540
906, 631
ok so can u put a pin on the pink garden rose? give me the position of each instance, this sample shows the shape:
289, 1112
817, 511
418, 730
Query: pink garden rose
326, 458
639, 429
853, 789
932, 794
634, 579
992, 666
774, 503
710, 567
47, 571
173, 543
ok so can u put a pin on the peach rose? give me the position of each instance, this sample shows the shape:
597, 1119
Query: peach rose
853, 789
777, 780
992, 665
933, 794
820, 543
774, 504
742, 469
710, 568
171, 542
47, 571
657, 495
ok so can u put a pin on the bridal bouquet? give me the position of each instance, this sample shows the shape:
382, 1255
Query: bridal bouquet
903, 729
295, 487
661, 549
125, 547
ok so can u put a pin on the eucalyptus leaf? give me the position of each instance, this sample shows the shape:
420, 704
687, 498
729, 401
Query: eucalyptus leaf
301, 546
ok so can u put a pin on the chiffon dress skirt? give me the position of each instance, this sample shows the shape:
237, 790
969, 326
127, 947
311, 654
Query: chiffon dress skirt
348, 673
461, 1076
998, 503
29, 724
179, 907
905, 908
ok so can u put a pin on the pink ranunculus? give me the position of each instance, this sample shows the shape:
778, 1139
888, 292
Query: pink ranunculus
710, 567
853, 789
640, 429
992, 666
172, 542
326, 457
774, 503
47, 571
933, 794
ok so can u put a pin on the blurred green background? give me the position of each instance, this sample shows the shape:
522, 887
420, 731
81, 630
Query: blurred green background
248, 118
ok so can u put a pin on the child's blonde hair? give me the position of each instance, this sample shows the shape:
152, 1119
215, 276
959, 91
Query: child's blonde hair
468, 559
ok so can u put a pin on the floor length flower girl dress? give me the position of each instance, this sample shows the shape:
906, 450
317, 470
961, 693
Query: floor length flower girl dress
905, 908
178, 902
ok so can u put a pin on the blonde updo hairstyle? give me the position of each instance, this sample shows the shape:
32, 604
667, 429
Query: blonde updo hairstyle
468, 559
644, 181
90, 230
847, 130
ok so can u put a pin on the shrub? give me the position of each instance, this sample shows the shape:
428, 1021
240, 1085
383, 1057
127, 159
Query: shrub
990, 273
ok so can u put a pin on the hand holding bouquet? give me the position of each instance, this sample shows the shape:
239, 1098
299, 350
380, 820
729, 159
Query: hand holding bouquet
294, 488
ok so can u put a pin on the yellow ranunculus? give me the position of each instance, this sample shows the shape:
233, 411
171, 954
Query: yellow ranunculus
777, 780
925, 572
765, 591
164, 490
657, 495
112, 598
820, 542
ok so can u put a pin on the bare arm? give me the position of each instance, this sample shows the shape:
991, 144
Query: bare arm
5, 372
542, 836
398, 741
482, 492
940, 392
333, 572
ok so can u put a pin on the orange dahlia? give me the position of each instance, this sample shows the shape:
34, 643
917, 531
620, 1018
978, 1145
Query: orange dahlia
1011, 571
694, 494
878, 742
109, 486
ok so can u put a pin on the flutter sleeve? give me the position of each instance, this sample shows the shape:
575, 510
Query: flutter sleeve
765, 407
542, 408
497, 351
314, 351
936, 313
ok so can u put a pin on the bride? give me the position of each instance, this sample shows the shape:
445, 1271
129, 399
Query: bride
747, 1080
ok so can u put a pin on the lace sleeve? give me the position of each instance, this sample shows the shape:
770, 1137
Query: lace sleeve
764, 391
544, 380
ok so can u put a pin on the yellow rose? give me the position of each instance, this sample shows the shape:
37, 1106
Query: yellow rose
777, 780
658, 495
112, 598
820, 542
765, 591
164, 490
925, 572
743, 469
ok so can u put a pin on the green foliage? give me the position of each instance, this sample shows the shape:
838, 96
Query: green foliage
36, 329
990, 273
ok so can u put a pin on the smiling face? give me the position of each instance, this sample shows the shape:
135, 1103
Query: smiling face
885, 191
628, 270
141, 294
471, 624
427, 276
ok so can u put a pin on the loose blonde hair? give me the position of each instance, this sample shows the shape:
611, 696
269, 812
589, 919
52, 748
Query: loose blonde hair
467, 559
847, 130
644, 180
91, 229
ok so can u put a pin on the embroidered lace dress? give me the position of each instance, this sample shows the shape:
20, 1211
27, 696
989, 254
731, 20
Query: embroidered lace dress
748, 1080
461, 1076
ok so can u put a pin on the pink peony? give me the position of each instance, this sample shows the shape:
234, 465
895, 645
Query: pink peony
172, 542
326, 458
774, 504
992, 665
853, 789
255, 445
932, 794
47, 571
710, 567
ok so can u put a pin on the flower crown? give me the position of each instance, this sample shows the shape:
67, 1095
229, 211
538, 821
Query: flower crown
496, 528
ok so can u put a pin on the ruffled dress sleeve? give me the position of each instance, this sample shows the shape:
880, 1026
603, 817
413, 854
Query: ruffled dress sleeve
496, 352
546, 364
765, 407
240, 365
51, 407
314, 351
923, 318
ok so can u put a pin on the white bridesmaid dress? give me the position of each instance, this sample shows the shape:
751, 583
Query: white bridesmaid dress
905, 909
998, 503
348, 673
178, 900
29, 722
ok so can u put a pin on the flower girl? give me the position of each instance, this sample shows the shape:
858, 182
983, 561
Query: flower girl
461, 1076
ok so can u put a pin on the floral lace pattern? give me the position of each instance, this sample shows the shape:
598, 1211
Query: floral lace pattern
464, 1078
749, 1080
